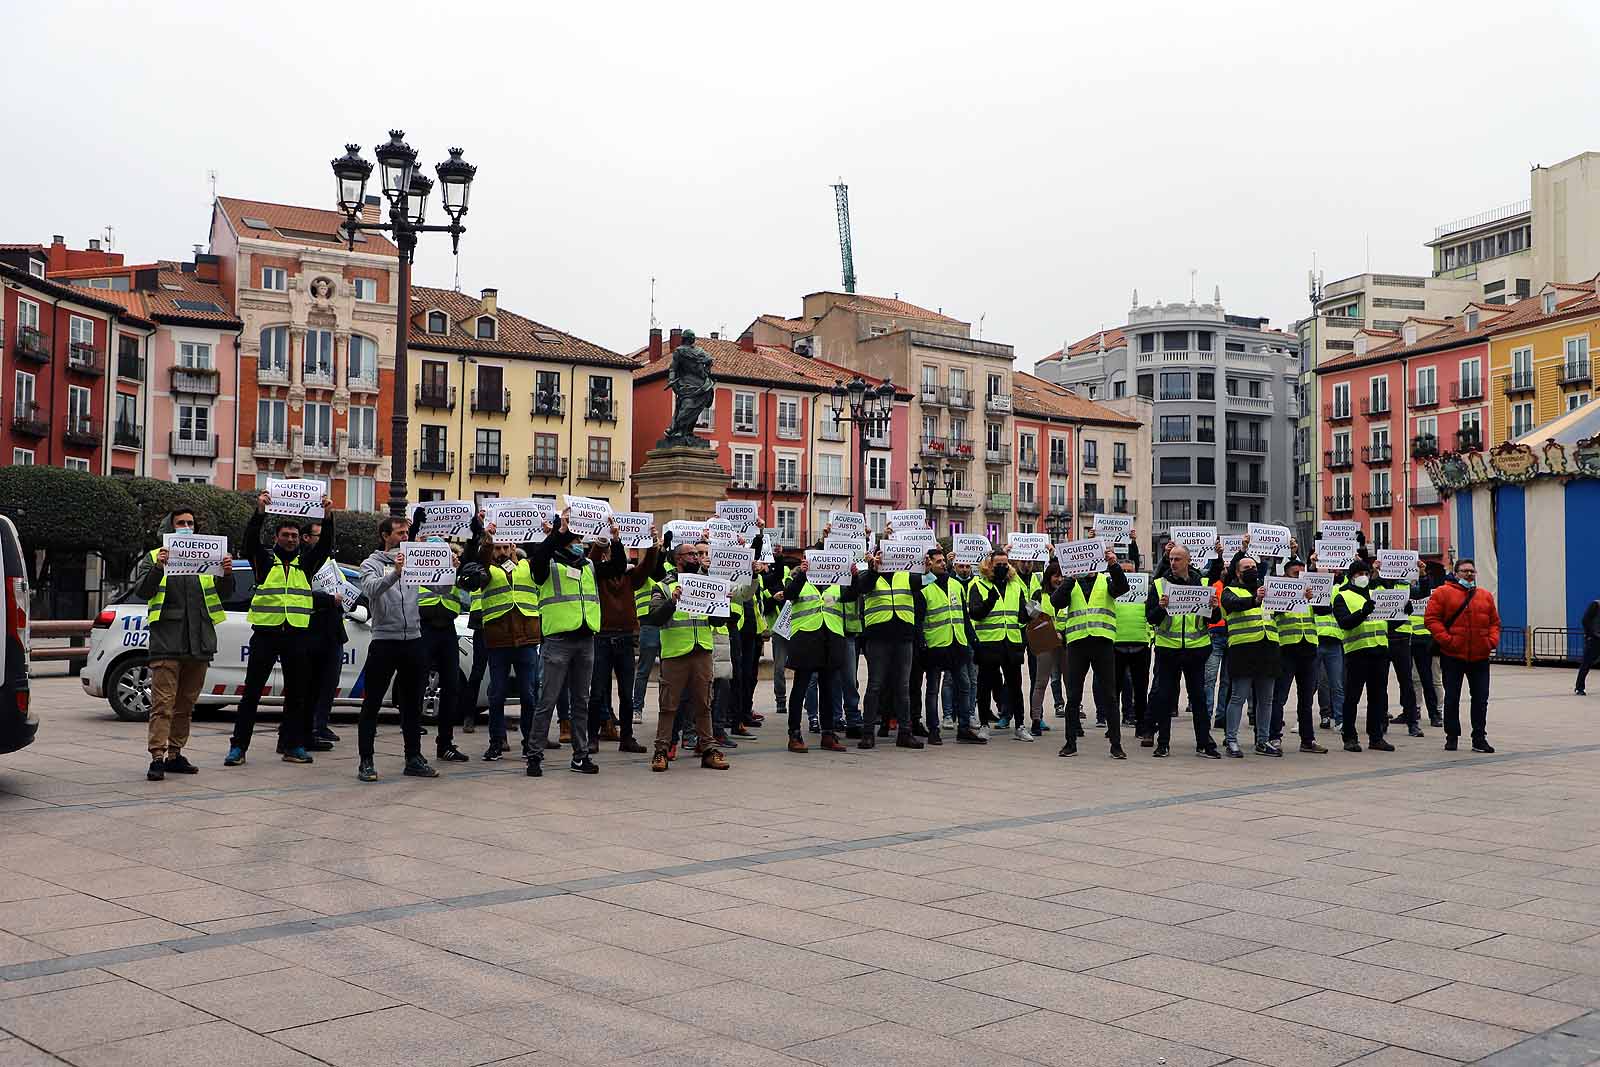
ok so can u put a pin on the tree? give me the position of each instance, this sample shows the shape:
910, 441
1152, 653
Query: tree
60, 511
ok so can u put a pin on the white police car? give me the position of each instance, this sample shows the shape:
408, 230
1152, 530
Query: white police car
118, 668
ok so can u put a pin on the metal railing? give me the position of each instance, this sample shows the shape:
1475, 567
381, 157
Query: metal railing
359, 451
1375, 405
593, 470
491, 401
550, 405
85, 359
427, 461
1471, 389
999, 403
960, 399
1338, 505
1483, 218
997, 455
84, 432
997, 503
1246, 443
1379, 501
28, 418
270, 444
932, 396
319, 377
547, 467
826, 486
958, 448
130, 366
1028, 507
1058, 466
1335, 413
1028, 461
362, 383
1338, 459
493, 464
1468, 440
1248, 486
1424, 496
1517, 382
1575, 372
199, 381
1424, 398
202, 447
32, 345
604, 409
127, 435
886, 491
1377, 455
1424, 445
435, 398
932, 446
272, 373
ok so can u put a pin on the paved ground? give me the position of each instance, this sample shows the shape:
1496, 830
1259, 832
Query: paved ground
955, 906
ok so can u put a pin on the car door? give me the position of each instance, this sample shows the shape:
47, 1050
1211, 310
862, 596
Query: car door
225, 677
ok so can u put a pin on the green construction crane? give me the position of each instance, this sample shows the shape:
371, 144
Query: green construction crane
841, 200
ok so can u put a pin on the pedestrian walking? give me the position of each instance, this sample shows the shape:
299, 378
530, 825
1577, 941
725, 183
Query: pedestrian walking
1591, 644
1465, 625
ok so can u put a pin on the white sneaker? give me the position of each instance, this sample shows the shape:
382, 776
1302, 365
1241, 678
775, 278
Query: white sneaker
638, 717
1021, 734
983, 732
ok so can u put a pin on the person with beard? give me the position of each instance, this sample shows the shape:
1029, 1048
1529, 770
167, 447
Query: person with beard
686, 645
816, 652
1090, 603
1253, 657
1366, 659
619, 583
1182, 647
995, 604
1465, 625
569, 619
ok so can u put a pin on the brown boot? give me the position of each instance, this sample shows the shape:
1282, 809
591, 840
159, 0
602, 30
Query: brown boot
712, 760
796, 744
658, 762
609, 732
830, 743
566, 733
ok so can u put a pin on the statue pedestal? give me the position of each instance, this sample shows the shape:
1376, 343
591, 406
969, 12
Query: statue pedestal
680, 482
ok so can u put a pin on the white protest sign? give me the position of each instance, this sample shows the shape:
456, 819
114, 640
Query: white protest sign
1389, 604
1268, 540
897, 555
1189, 599
768, 539
1114, 528
1285, 594
1030, 547
1201, 541
1340, 529
300, 496
684, 531
518, 520
1081, 557
427, 563
704, 595
969, 548
1419, 604
856, 546
588, 516
847, 523
635, 528
1321, 586
1336, 555
827, 568
330, 579
744, 514
1398, 563
1232, 545
1138, 589
906, 519
782, 625
925, 538
733, 562
446, 518
721, 532
189, 553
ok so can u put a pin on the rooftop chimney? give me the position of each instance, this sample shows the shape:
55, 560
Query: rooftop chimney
94, 244
655, 343
489, 300
371, 209
58, 239
207, 268
675, 338
747, 341
715, 336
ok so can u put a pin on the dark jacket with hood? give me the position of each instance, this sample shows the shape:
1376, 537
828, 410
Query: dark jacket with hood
185, 630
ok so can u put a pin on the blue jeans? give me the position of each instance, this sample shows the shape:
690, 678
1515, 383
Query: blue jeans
1330, 681
530, 677
961, 691
1259, 690
1217, 688
649, 652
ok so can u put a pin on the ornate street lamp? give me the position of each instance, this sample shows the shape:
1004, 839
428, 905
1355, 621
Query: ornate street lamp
1059, 523
925, 485
870, 409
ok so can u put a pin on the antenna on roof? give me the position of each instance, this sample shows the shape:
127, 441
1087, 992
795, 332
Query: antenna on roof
653, 323
980, 324
1192, 273
211, 176
109, 237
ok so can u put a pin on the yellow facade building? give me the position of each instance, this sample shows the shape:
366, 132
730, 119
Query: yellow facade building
1540, 355
502, 405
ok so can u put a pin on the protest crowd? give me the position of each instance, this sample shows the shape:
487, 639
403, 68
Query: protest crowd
572, 602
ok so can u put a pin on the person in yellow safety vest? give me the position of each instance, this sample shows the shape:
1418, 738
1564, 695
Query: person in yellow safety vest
746, 635
816, 650
1032, 576
1048, 663
437, 609
1090, 603
939, 641
622, 584
1422, 651
508, 609
1330, 651
1366, 659
1297, 649
280, 618
1131, 649
1183, 645
686, 644
650, 636
184, 611
569, 619
1400, 658
892, 609
1252, 654
995, 604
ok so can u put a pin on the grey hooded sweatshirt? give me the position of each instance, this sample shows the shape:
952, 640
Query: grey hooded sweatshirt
184, 630
393, 606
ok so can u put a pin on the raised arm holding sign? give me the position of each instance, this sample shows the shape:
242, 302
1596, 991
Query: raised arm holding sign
518, 521
191, 553
300, 496
427, 563
1081, 557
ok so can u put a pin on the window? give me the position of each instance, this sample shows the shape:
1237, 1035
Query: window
1147, 342
1521, 418
1174, 428
992, 436
127, 413
274, 278
1174, 340
830, 474
1233, 346
1577, 356
1119, 388
36, 268
1233, 511
1428, 534
744, 412
437, 322
363, 359
600, 455
275, 350
363, 427
1522, 368
1204, 341
1173, 510
1472, 423
878, 473
435, 379
73, 463
487, 448
546, 392
787, 523
359, 493
1174, 385
435, 440
1254, 387
1147, 386
80, 407
25, 397
194, 422
1380, 439
546, 459
22, 457
486, 328
788, 417
958, 384
1232, 386
1547, 303
1576, 401
1428, 427
272, 422
194, 355
1380, 534
930, 382
1058, 495
319, 355
491, 388
80, 331
1058, 454
1175, 470
366, 289
1471, 379
957, 526
1255, 512
1094, 394
1427, 385
744, 469
1341, 400
1205, 428
1205, 470
1341, 446
958, 430
1205, 510
1026, 487
1206, 384
319, 426
1091, 453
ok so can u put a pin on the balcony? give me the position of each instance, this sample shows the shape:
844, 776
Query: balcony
203, 446
436, 397
1575, 372
546, 404
1424, 445
1247, 443
1423, 398
491, 401
1091, 505
932, 447
1090, 461
1516, 382
997, 403
1468, 440
791, 483
1250, 403
269, 444
130, 366
1425, 496
196, 381
272, 373
1338, 459
491, 464
314, 448
1380, 501
932, 396
601, 470
29, 420
825, 485
1471, 389
744, 479
356, 450
883, 491
1377, 455
31, 345
433, 461
362, 382
963, 499
86, 359
1028, 507
546, 467
1427, 546
317, 376
1338, 505
1058, 466
1028, 461
601, 409
1375, 405
960, 399
999, 456
1336, 413
127, 435
828, 431
82, 432
1248, 486
958, 448
997, 503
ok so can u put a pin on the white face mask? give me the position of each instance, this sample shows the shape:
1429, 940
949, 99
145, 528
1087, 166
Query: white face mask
1360, 581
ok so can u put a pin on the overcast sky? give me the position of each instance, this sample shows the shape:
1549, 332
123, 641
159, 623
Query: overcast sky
1028, 164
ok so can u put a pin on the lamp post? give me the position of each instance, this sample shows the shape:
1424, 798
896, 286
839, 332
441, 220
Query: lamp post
925, 485
407, 190
870, 410
1059, 523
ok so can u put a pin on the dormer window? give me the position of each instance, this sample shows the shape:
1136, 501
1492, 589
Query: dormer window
486, 328
1361, 346
1472, 320
437, 323
1409, 333
1547, 302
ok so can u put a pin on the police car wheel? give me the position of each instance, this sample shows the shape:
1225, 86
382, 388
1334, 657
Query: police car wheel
128, 689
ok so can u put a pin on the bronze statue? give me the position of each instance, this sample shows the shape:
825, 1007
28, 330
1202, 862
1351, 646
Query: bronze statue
690, 380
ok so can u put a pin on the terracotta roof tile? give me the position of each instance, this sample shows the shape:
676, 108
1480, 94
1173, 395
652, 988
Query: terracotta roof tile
162, 302
303, 219
767, 365
883, 305
1035, 396
794, 326
515, 335
129, 310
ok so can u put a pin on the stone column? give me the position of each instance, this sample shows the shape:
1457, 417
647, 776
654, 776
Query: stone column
681, 482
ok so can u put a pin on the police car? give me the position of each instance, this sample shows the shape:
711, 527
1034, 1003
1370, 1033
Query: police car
119, 669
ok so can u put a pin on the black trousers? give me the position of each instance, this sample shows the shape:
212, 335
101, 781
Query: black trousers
1172, 664
1300, 670
797, 700
746, 669
441, 654
1369, 669
1003, 683
1133, 685
1422, 658
1591, 656
283, 645
1400, 660
613, 658
402, 663
324, 663
888, 684
1476, 674
1094, 653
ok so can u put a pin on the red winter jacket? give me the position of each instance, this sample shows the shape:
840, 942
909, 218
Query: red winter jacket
1475, 633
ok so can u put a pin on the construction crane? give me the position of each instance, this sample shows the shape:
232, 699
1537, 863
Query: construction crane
841, 200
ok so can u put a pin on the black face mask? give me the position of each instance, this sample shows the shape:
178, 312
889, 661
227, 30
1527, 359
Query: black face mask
1000, 570
1250, 580
690, 565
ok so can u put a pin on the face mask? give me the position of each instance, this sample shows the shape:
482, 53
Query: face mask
1360, 581
1000, 570
1467, 583
1251, 580
689, 565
